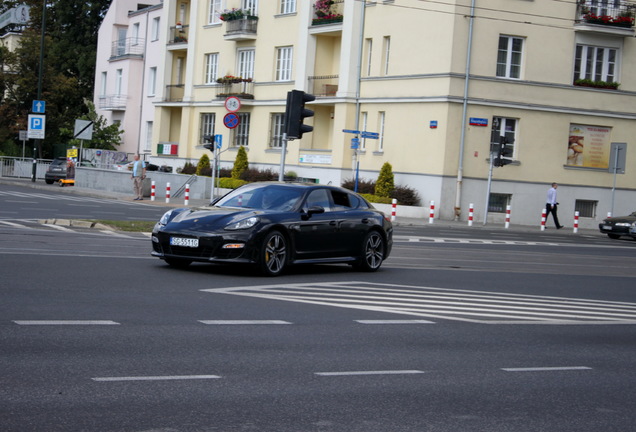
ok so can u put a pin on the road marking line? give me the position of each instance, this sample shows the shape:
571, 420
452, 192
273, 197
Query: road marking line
11, 224
57, 227
64, 322
394, 322
156, 378
546, 369
385, 372
242, 322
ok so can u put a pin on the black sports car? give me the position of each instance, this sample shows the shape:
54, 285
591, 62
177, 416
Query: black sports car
618, 226
275, 224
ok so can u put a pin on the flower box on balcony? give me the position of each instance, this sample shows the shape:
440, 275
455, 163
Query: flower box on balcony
596, 84
330, 19
237, 14
619, 21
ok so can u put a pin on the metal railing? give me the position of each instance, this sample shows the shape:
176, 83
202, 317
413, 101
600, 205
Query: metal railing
113, 102
243, 25
128, 47
323, 85
174, 93
179, 34
615, 13
191, 180
243, 90
17, 167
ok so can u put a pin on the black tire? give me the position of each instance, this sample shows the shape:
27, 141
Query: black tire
613, 236
178, 262
49, 181
373, 250
273, 254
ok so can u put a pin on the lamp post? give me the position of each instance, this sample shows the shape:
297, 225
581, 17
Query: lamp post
36, 142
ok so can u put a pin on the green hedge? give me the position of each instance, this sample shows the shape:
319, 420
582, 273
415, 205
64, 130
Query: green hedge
230, 183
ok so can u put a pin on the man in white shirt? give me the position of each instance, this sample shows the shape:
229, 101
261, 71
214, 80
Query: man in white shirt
138, 175
551, 205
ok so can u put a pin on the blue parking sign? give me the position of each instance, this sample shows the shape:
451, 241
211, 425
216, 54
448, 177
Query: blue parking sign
36, 126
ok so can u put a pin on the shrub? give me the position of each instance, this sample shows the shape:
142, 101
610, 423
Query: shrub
230, 183
240, 163
256, 175
377, 199
385, 184
364, 186
188, 168
204, 164
406, 196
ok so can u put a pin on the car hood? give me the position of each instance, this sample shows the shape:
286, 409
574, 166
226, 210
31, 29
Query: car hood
208, 219
619, 219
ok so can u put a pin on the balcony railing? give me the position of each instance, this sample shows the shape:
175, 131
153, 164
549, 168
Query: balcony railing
113, 102
241, 29
243, 90
323, 85
127, 47
179, 34
174, 93
611, 13
332, 14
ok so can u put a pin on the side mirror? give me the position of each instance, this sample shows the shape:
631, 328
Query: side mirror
313, 210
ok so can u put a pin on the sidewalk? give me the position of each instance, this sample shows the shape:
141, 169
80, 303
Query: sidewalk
400, 221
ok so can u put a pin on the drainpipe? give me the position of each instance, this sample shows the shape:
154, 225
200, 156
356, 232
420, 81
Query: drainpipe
363, 5
460, 168
143, 86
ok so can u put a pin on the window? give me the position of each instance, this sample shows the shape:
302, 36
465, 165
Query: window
152, 81
595, 63
382, 118
179, 69
386, 51
586, 208
148, 143
369, 52
121, 40
277, 129
155, 29
211, 68
242, 131
497, 202
287, 6
603, 7
215, 12
118, 81
251, 6
505, 127
365, 122
207, 126
284, 63
245, 64
103, 84
318, 197
135, 34
509, 57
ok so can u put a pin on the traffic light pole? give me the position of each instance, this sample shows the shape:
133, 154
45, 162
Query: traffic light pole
490, 166
283, 152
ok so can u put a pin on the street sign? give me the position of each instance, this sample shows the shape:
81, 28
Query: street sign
355, 143
476, 121
618, 151
38, 107
218, 140
231, 120
351, 131
36, 126
370, 135
83, 130
23, 135
232, 104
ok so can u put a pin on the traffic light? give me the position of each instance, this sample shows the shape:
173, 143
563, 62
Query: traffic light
295, 113
208, 142
505, 150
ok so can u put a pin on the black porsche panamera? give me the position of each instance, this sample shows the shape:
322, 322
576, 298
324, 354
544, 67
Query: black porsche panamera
275, 224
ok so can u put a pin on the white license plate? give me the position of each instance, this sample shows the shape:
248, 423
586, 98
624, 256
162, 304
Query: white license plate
607, 227
185, 242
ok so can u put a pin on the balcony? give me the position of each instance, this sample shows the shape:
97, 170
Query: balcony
113, 102
323, 85
327, 12
178, 34
241, 88
614, 17
241, 29
174, 93
127, 48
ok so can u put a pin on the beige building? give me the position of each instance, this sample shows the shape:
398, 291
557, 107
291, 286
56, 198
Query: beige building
437, 81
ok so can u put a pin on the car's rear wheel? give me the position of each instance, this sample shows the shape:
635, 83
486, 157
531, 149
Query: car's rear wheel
47, 181
613, 236
178, 262
373, 250
273, 254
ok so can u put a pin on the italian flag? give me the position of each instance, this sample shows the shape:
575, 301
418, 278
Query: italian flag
168, 149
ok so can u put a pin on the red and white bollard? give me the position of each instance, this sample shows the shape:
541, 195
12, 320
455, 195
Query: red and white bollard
167, 193
576, 222
543, 217
187, 194
609, 215
393, 209
152, 191
431, 215
240, 201
507, 225
471, 209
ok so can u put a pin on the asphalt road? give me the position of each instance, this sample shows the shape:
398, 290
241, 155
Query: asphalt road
459, 331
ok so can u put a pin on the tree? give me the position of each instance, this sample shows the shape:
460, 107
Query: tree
105, 137
385, 183
203, 167
240, 163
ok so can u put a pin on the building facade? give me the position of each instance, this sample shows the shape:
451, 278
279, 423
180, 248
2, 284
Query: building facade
441, 83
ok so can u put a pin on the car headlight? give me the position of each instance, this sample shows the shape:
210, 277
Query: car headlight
625, 224
243, 224
166, 217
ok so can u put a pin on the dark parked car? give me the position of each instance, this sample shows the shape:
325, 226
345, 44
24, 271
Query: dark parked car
275, 224
56, 171
618, 226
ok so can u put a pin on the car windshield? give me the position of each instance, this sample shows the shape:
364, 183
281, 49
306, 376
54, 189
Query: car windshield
270, 197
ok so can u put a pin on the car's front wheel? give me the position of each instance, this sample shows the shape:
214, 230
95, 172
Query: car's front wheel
273, 254
178, 262
373, 250
47, 181
613, 236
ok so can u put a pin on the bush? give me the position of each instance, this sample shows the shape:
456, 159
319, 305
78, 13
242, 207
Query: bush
386, 183
204, 164
377, 199
364, 186
256, 175
406, 196
403, 194
240, 163
230, 183
188, 168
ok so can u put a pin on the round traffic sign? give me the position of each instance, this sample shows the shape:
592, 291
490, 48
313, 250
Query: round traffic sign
232, 104
231, 120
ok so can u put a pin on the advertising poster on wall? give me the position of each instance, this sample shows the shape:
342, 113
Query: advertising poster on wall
589, 146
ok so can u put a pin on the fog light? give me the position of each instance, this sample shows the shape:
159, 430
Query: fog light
233, 246
155, 239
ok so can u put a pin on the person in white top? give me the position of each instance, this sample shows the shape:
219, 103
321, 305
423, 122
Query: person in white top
551, 205
138, 175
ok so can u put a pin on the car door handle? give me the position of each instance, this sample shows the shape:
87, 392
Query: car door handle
365, 220
333, 223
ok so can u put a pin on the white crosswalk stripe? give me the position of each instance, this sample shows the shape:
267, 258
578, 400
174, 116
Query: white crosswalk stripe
450, 304
63, 197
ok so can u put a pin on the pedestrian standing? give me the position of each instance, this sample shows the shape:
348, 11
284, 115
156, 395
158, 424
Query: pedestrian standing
551, 205
138, 175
